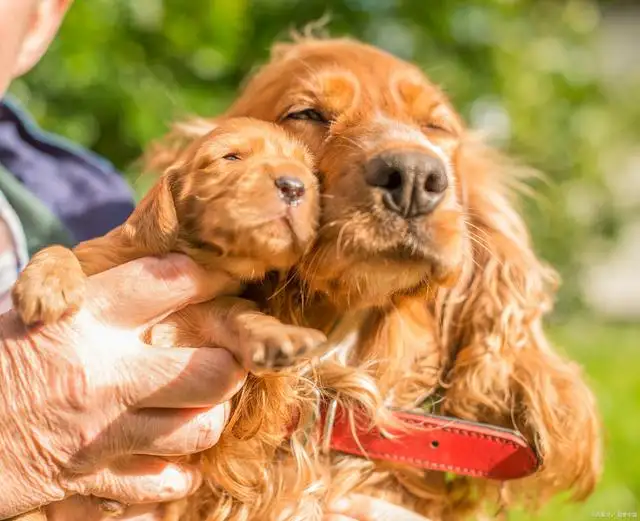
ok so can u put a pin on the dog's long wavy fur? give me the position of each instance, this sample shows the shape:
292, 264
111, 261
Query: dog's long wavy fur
479, 345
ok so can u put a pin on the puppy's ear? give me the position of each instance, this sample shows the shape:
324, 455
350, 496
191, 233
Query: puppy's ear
153, 226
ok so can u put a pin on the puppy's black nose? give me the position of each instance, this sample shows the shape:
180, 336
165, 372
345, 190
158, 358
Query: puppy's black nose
414, 183
291, 189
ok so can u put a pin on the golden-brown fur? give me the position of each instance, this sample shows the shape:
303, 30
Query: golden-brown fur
456, 302
218, 202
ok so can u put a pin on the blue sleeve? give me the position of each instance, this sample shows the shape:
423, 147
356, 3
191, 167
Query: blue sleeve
84, 191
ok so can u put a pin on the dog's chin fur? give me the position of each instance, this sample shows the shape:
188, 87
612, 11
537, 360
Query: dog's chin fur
464, 327
352, 283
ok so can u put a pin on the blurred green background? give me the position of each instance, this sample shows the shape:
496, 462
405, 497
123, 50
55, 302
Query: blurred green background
556, 83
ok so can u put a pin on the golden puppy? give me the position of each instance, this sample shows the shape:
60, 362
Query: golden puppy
241, 201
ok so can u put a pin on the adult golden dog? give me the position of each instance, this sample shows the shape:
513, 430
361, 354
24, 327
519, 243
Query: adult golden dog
418, 227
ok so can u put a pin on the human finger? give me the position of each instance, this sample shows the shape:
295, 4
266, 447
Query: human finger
179, 377
142, 292
172, 432
139, 480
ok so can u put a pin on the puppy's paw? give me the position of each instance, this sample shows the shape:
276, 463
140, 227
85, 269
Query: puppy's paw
276, 345
47, 296
48, 288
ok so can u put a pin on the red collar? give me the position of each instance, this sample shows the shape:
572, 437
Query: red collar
432, 442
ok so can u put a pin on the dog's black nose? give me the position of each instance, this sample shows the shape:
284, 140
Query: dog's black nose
413, 183
291, 189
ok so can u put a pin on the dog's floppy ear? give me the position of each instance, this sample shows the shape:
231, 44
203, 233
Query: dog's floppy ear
153, 226
505, 371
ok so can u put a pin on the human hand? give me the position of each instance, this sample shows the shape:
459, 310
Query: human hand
87, 408
358, 507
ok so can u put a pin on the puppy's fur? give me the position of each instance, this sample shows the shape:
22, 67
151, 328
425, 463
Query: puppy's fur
220, 203
455, 298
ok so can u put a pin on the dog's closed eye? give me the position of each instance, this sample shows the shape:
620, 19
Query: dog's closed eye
437, 126
308, 115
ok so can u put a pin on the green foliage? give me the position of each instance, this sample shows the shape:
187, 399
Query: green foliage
121, 71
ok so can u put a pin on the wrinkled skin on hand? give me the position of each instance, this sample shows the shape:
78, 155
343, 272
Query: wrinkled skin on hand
87, 408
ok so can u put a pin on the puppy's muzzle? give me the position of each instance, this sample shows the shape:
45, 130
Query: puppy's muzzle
291, 189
